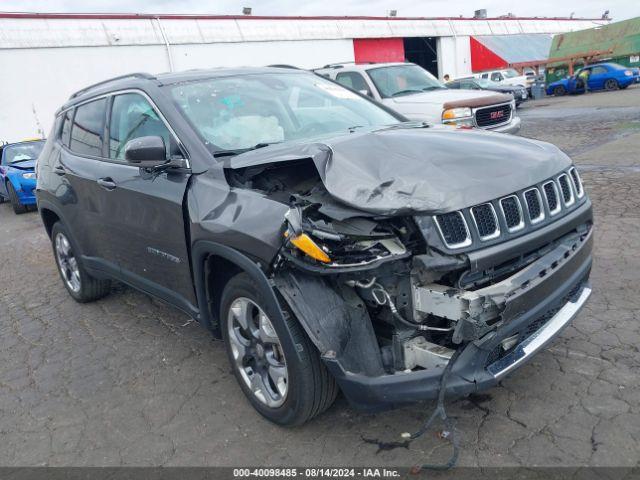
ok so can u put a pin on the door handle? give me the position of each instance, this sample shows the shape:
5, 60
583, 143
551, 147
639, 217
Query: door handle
107, 183
59, 170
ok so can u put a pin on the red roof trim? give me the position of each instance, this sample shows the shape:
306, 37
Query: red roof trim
147, 16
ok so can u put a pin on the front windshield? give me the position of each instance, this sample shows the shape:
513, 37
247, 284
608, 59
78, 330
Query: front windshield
246, 111
22, 152
398, 80
511, 73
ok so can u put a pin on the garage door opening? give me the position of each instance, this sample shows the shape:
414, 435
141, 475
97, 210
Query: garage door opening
422, 51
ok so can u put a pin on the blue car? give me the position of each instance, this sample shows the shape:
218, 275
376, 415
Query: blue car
602, 76
17, 173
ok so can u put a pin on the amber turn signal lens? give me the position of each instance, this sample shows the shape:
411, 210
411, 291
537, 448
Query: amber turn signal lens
303, 242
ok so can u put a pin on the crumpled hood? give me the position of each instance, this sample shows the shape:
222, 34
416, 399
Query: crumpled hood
29, 165
429, 170
442, 96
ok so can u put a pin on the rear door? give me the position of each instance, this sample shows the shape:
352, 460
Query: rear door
79, 167
146, 221
599, 75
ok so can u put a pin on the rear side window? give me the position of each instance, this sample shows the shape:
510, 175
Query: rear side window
597, 70
354, 81
132, 116
87, 131
66, 128
496, 76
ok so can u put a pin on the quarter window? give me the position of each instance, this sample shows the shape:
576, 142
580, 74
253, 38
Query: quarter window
132, 116
88, 128
66, 128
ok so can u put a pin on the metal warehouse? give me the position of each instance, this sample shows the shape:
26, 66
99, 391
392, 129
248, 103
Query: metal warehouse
46, 57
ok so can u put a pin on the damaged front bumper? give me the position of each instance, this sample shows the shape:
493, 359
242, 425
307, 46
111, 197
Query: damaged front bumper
499, 327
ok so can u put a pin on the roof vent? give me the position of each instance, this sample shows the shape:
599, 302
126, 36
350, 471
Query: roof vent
246, 10
482, 13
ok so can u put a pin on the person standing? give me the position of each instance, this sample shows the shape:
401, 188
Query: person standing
584, 78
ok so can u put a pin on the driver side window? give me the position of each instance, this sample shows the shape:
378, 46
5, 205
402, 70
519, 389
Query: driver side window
132, 116
354, 81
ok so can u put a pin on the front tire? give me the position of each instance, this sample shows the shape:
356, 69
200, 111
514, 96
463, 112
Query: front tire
80, 285
559, 91
18, 208
275, 363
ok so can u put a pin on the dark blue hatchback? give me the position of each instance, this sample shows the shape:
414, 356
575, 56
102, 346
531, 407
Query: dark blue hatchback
17, 173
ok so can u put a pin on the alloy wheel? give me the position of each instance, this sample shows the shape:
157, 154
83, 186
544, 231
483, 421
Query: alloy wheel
67, 263
257, 352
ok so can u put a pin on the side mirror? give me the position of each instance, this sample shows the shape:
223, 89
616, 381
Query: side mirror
146, 152
364, 92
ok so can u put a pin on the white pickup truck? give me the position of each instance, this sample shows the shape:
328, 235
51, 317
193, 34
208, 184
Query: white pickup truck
507, 76
415, 93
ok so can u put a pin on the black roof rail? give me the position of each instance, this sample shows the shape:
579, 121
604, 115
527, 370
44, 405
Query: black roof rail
144, 75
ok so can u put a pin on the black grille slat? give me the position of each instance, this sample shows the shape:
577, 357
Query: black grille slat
552, 197
511, 212
453, 228
485, 220
566, 188
485, 117
533, 204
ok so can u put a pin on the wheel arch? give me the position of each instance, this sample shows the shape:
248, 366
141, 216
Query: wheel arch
213, 266
49, 219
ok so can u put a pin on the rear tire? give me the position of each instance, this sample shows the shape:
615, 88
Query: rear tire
18, 208
309, 388
559, 91
611, 84
80, 285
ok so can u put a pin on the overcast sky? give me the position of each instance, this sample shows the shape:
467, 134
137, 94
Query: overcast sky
620, 9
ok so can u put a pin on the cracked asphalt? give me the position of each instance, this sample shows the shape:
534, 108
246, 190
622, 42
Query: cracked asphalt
130, 381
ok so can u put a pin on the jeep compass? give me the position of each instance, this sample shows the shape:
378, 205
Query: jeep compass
332, 244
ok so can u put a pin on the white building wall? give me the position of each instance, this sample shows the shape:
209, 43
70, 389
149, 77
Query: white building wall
45, 59
454, 56
35, 82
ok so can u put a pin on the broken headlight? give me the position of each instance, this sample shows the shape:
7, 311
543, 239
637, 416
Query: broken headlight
346, 243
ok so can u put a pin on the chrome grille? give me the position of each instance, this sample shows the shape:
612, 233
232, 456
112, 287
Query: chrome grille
523, 210
534, 205
567, 193
454, 230
512, 213
494, 115
551, 194
486, 221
